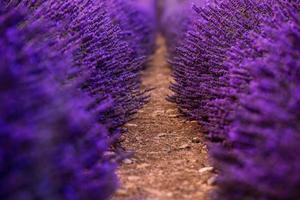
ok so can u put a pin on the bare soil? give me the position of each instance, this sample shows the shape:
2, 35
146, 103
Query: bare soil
170, 160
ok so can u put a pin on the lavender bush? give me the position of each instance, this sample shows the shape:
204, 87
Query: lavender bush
177, 17
136, 19
199, 62
110, 64
265, 136
237, 73
236, 78
50, 146
69, 81
99, 49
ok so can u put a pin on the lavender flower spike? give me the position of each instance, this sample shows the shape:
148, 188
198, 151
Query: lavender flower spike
50, 146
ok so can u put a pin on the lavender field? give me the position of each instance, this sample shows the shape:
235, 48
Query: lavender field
150, 99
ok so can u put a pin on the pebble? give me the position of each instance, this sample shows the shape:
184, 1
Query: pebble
161, 135
144, 165
122, 192
206, 169
184, 146
131, 125
133, 178
212, 180
193, 122
196, 140
139, 138
168, 150
170, 111
158, 113
155, 192
203, 151
127, 161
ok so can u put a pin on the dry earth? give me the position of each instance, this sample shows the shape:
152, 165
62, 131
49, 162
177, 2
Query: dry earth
170, 160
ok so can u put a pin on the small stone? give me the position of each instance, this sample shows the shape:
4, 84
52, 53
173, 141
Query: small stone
131, 125
212, 180
158, 113
170, 111
206, 169
133, 178
139, 138
144, 165
168, 150
161, 135
202, 151
204, 147
184, 146
127, 161
173, 116
122, 192
196, 140
154, 191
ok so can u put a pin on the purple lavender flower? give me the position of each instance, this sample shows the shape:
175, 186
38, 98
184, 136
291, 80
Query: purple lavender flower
137, 22
109, 65
177, 17
236, 78
61, 132
265, 136
50, 146
199, 70
251, 106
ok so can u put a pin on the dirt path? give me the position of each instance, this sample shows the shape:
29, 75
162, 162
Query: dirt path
170, 161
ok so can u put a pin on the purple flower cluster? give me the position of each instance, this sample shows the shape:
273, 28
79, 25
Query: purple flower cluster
176, 19
236, 72
264, 162
137, 21
50, 146
199, 62
236, 77
69, 81
109, 63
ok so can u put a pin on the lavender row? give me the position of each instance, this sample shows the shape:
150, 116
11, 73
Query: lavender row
235, 72
263, 161
113, 63
69, 81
